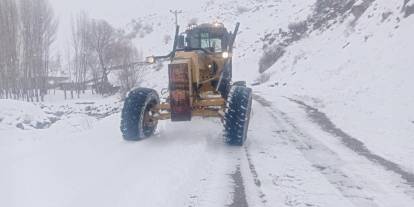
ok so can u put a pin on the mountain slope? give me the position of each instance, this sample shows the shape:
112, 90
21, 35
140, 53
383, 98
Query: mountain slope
358, 72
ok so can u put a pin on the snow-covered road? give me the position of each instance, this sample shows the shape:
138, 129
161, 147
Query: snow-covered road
289, 160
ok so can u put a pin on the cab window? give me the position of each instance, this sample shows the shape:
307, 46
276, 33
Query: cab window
216, 44
208, 42
194, 41
205, 40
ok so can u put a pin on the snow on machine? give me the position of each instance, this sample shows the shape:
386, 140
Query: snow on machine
200, 84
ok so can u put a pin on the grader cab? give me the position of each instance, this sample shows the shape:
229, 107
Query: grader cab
200, 84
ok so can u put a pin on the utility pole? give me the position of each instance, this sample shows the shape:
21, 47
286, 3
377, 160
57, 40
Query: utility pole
176, 13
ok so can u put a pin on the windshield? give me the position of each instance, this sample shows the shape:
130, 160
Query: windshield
210, 43
206, 41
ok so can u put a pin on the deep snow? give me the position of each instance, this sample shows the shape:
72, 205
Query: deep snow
287, 161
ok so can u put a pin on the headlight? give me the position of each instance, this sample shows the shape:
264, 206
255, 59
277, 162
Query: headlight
150, 60
226, 55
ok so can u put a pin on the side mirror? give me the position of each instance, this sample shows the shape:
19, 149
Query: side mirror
150, 60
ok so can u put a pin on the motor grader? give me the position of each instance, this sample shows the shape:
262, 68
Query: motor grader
200, 85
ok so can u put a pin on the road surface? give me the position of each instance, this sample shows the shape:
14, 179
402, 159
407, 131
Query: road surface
294, 156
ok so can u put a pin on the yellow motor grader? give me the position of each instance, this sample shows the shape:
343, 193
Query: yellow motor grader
200, 84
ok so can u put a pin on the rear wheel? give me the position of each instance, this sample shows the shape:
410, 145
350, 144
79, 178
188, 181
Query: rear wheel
237, 116
137, 115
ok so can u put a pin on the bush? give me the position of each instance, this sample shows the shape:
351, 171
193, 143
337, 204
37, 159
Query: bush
270, 57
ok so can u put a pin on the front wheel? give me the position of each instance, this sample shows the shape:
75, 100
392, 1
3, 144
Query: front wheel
237, 115
137, 121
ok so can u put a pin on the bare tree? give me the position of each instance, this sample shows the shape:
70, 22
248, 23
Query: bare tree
28, 29
82, 54
124, 53
9, 44
101, 38
38, 33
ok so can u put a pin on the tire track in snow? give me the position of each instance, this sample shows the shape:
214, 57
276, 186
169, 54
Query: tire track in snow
225, 163
223, 168
256, 179
321, 158
239, 194
352, 143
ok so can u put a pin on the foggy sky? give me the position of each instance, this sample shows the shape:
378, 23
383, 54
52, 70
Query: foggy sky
116, 12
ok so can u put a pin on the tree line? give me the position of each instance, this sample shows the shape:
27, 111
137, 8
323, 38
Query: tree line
96, 48
28, 29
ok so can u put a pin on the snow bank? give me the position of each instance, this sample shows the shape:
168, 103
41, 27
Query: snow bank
77, 113
18, 114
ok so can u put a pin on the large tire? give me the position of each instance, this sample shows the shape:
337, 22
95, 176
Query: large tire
136, 123
237, 116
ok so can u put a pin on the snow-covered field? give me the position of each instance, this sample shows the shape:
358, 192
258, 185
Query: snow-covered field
332, 125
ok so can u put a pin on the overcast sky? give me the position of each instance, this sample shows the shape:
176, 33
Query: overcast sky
117, 12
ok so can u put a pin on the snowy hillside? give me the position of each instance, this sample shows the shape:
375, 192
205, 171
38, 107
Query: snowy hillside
359, 73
